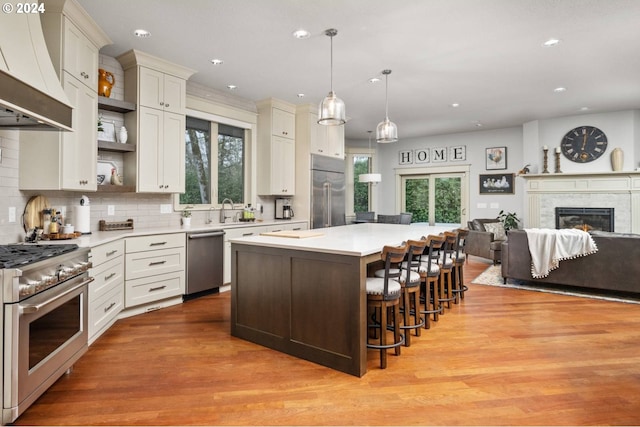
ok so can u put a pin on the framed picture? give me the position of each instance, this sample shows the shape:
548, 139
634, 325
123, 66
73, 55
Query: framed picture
108, 132
496, 158
500, 183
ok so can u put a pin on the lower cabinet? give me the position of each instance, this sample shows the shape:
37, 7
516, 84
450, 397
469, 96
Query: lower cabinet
106, 292
154, 270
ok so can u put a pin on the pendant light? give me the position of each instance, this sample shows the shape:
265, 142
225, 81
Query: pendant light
387, 131
373, 178
331, 111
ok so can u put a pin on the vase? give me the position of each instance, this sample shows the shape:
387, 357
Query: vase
123, 135
617, 159
186, 222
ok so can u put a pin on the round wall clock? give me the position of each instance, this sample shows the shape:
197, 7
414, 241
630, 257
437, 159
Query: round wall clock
584, 144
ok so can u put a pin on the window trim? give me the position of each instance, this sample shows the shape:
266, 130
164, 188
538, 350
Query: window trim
350, 153
250, 161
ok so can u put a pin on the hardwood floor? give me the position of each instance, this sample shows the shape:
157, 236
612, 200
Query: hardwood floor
501, 357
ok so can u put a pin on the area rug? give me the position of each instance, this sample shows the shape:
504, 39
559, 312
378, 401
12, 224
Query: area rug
492, 276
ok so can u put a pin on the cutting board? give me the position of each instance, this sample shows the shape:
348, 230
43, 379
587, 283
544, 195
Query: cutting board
32, 216
294, 234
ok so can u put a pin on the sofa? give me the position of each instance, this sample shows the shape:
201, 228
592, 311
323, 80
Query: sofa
485, 239
614, 267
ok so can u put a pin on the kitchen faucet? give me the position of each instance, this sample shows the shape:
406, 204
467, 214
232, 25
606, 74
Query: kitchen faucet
223, 217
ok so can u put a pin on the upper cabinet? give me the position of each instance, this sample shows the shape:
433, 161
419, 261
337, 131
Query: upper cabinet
67, 160
276, 148
318, 139
157, 127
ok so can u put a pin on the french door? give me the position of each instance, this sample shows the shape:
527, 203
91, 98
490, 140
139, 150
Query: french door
438, 198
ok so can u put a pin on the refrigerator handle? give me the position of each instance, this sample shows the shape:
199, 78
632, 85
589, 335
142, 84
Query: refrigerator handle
326, 204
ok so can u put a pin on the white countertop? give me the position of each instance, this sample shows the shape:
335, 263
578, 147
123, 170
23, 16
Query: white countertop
97, 238
354, 240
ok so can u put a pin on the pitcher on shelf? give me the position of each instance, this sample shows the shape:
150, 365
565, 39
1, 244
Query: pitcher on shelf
106, 81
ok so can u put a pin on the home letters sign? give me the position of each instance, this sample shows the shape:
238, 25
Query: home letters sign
435, 155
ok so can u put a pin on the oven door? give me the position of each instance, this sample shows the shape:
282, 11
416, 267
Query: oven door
44, 335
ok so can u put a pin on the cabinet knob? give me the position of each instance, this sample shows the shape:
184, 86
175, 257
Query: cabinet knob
166, 105
161, 103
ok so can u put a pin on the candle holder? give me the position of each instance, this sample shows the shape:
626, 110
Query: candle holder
558, 163
546, 160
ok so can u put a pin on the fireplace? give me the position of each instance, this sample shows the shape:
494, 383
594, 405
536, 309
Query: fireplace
601, 219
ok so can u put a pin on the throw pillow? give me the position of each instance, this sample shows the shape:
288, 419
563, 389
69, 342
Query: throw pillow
497, 229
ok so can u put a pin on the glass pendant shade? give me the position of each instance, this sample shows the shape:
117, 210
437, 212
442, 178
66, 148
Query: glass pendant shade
331, 111
386, 132
370, 177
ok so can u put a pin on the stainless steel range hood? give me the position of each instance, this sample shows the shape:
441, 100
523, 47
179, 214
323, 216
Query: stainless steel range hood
31, 96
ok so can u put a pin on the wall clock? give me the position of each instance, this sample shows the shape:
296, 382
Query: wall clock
584, 144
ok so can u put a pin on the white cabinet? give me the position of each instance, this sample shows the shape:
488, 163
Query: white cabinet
276, 148
106, 292
154, 269
162, 91
67, 160
160, 167
318, 139
157, 127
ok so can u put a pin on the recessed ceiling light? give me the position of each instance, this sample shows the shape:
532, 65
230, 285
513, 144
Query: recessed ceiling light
455, 105
301, 95
551, 42
301, 34
232, 87
584, 108
142, 33
374, 79
476, 123
560, 89
217, 61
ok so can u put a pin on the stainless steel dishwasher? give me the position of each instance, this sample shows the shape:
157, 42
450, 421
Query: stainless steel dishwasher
205, 260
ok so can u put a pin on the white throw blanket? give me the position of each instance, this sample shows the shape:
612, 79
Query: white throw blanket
548, 247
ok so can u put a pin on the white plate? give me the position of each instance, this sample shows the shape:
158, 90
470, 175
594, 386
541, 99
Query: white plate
104, 168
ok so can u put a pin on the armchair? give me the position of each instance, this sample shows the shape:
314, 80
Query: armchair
485, 239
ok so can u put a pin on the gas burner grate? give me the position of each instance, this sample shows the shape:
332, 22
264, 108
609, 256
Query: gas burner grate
18, 255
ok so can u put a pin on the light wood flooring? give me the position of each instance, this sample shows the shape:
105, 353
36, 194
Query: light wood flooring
501, 357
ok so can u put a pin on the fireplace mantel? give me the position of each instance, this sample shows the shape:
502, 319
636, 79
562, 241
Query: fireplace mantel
620, 190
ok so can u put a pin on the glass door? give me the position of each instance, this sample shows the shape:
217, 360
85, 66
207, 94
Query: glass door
435, 198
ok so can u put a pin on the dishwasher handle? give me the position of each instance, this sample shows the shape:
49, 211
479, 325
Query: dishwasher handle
203, 235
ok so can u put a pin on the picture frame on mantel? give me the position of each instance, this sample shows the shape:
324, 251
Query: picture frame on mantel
108, 132
499, 183
496, 158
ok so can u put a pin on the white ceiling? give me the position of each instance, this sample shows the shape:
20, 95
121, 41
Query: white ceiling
486, 55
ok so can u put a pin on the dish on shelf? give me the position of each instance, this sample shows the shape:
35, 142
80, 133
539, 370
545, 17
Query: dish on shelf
101, 179
104, 169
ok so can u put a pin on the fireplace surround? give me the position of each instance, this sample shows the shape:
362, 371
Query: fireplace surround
619, 190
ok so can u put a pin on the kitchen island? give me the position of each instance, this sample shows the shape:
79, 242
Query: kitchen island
306, 296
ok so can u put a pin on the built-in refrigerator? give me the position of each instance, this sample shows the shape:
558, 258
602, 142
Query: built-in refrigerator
327, 192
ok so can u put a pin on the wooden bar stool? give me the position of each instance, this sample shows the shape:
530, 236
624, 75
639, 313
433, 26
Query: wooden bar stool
459, 258
410, 281
383, 300
446, 268
430, 273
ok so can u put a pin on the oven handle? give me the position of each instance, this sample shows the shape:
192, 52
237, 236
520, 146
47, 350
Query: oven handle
34, 308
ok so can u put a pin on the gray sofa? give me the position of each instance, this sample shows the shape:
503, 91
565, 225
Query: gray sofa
615, 267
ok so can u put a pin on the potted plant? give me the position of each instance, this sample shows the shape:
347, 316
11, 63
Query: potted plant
509, 220
186, 217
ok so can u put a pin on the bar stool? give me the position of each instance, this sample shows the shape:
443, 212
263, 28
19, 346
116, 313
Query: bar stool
383, 298
446, 268
459, 259
430, 273
410, 281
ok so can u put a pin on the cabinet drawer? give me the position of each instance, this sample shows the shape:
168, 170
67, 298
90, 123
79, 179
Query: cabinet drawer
158, 241
104, 310
151, 263
103, 253
106, 276
150, 289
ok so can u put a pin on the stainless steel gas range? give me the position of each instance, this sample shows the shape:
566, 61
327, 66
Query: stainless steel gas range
44, 300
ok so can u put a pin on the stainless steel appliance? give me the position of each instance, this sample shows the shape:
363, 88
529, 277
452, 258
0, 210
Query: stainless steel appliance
328, 192
283, 209
44, 297
205, 260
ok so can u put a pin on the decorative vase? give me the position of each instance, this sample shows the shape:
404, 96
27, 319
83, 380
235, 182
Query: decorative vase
123, 135
186, 222
106, 81
617, 159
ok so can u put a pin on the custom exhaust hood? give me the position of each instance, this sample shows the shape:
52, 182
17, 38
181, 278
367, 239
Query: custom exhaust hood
31, 96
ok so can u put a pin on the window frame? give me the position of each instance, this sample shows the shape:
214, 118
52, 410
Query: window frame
249, 160
350, 153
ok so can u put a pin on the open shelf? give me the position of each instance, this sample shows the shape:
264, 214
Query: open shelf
115, 105
116, 146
